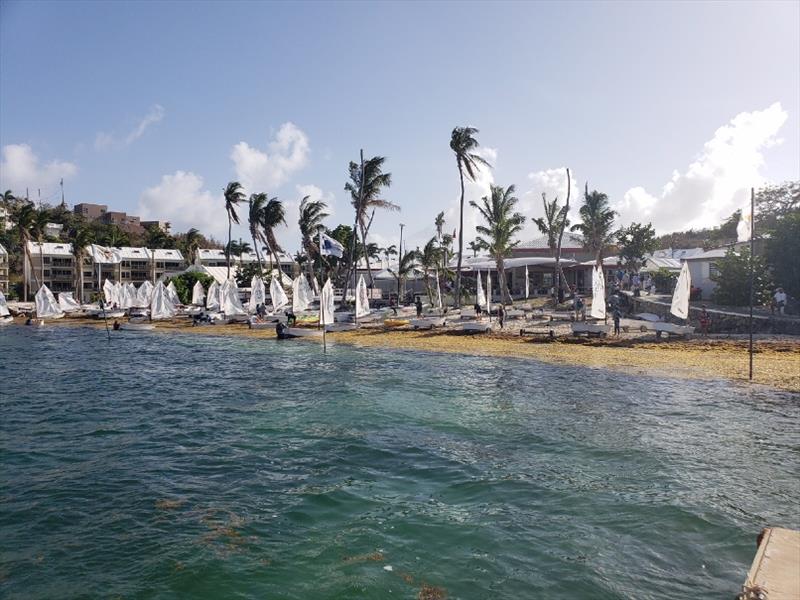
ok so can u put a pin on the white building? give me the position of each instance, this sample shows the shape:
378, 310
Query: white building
702, 267
52, 264
3, 270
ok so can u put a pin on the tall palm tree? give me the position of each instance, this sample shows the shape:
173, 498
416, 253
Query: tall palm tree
405, 267
191, 244
312, 213
502, 225
552, 224
272, 216
597, 223
475, 247
429, 258
366, 184
82, 238
255, 207
464, 145
25, 219
233, 196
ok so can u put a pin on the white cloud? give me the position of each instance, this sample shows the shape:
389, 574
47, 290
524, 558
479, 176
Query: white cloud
716, 183
180, 199
265, 171
105, 140
289, 236
553, 183
20, 168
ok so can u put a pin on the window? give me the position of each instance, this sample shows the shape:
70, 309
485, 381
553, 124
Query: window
46, 260
713, 271
46, 273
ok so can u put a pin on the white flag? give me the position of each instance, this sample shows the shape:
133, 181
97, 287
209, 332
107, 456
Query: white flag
745, 226
527, 283
480, 297
329, 246
489, 292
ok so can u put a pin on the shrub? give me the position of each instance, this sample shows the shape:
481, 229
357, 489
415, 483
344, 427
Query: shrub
184, 283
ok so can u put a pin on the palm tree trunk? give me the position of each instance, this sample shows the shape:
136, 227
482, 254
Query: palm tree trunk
460, 236
228, 249
258, 254
80, 277
559, 272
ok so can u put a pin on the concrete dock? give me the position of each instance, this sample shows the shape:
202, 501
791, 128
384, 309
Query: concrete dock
775, 572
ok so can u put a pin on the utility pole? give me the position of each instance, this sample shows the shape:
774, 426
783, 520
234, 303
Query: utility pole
63, 204
400, 259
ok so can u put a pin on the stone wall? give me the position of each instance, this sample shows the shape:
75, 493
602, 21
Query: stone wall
721, 321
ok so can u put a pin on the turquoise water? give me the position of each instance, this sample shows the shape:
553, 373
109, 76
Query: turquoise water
181, 466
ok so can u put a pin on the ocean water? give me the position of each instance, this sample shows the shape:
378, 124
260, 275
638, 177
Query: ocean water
185, 466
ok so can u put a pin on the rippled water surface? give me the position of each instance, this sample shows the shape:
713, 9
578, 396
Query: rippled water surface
183, 466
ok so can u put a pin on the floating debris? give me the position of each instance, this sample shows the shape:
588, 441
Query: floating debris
169, 504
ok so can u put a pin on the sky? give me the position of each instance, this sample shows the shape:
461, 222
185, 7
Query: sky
674, 110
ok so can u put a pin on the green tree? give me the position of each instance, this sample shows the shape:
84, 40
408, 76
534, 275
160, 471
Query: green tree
733, 279
273, 215
405, 267
552, 225
429, 258
775, 202
255, 215
233, 196
81, 239
597, 223
312, 213
184, 284
465, 146
502, 225
634, 242
190, 244
25, 220
782, 250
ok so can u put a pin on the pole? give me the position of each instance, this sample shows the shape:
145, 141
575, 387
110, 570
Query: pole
400, 260
752, 269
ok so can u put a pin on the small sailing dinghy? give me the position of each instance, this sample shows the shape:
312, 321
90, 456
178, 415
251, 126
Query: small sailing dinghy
46, 305
476, 326
137, 326
5, 315
428, 322
288, 333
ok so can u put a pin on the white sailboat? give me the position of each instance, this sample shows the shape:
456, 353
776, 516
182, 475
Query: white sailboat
67, 303
212, 299
302, 295
680, 305
230, 303
172, 292
258, 294
198, 294
5, 315
278, 296
161, 306
46, 305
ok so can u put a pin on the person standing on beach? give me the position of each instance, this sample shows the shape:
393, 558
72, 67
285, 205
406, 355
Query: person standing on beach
617, 315
418, 304
501, 315
705, 321
780, 300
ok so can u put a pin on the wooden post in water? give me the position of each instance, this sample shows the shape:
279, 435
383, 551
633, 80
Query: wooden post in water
752, 270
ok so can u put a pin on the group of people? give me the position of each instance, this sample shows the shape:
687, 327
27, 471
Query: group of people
633, 282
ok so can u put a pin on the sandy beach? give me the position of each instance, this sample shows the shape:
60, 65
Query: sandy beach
776, 360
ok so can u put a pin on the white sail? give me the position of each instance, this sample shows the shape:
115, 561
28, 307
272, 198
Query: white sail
279, 297
109, 292
198, 294
118, 293
301, 294
172, 292
161, 306
598, 310
229, 301
362, 298
326, 303
132, 295
683, 289
527, 283
480, 297
46, 305
212, 300
65, 302
144, 295
258, 294
489, 292
3, 306
315, 286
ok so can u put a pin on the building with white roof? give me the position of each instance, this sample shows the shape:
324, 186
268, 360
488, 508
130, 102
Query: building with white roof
3, 270
51, 264
703, 266
215, 257
168, 262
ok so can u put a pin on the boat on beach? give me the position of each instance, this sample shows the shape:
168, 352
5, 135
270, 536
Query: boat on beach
288, 333
428, 322
137, 326
334, 327
476, 327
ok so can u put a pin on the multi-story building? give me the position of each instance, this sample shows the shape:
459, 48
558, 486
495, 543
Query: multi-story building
90, 211
3, 270
215, 257
168, 262
51, 264
162, 225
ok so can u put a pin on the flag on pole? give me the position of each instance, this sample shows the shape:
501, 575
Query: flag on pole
329, 246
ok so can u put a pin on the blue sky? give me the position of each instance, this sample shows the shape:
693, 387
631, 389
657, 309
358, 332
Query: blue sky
672, 109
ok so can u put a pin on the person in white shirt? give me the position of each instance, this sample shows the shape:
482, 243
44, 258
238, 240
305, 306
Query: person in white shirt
780, 300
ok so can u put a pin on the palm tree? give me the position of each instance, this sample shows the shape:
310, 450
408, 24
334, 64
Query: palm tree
552, 224
390, 250
312, 213
233, 196
254, 214
464, 144
429, 258
405, 267
597, 222
82, 238
502, 224
367, 181
25, 219
191, 244
475, 247
272, 216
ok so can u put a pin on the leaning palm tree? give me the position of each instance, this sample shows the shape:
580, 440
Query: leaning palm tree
25, 220
272, 216
312, 213
254, 214
366, 184
233, 196
82, 238
502, 225
429, 258
464, 144
597, 223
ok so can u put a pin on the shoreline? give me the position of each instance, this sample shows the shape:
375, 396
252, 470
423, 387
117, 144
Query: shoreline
776, 358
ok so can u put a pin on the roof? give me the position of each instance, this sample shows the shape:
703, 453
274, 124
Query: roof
220, 274
678, 253
608, 261
248, 257
569, 241
663, 262
133, 253
3, 250
710, 254
50, 248
489, 264
168, 254
211, 254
